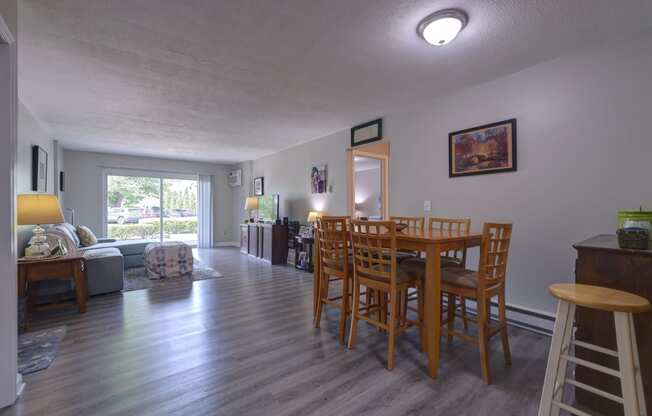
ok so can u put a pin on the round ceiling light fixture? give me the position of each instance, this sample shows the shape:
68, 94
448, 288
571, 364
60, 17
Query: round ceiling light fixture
442, 27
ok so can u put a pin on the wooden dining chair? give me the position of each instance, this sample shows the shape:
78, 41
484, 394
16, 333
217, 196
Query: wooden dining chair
488, 282
335, 266
375, 266
453, 258
410, 222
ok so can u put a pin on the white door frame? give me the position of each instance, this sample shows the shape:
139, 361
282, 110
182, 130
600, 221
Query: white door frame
10, 381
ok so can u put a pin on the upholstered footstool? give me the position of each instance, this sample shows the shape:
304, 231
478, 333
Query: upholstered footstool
168, 259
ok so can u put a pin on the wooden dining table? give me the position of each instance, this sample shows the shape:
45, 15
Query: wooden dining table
433, 243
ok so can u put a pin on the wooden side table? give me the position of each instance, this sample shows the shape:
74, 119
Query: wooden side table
65, 268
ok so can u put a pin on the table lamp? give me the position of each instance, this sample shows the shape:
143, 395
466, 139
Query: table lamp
37, 209
251, 204
313, 216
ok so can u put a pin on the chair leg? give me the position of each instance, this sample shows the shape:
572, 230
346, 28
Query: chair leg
483, 340
420, 309
323, 288
502, 318
404, 305
452, 302
344, 310
465, 319
382, 300
355, 313
393, 320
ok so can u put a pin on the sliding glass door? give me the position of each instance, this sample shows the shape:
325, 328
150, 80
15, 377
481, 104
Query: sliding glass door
180, 210
151, 207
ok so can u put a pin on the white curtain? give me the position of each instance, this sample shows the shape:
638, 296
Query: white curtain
205, 212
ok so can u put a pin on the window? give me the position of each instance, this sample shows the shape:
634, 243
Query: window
151, 206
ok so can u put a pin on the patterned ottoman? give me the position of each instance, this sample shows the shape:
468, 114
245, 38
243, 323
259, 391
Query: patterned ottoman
168, 259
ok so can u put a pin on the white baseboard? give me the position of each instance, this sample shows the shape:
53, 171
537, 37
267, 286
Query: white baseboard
531, 319
227, 244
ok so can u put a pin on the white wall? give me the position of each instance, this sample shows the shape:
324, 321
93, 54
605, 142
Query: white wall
584, 152
30, 133
84, 186
287, 173
8, 128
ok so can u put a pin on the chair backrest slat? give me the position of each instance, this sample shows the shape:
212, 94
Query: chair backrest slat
374, 249
493, 253
333, 244
452, 225
412, 222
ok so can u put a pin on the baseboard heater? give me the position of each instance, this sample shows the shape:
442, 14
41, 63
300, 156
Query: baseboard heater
517, 316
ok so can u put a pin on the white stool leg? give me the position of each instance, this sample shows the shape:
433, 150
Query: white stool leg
562, 323
563, 363
626, 363
637, 369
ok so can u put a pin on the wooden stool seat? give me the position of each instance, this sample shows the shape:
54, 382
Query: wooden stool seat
623, 305
600, 298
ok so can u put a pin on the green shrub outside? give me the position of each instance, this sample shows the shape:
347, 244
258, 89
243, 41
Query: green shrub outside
151, 230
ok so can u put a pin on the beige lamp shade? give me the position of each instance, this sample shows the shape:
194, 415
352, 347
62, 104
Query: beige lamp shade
35, 209
314, 216
251, 203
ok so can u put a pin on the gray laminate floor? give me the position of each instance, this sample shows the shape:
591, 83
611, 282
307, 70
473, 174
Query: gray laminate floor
244, 345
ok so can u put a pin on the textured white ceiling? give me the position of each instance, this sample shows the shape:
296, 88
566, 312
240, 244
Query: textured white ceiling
234, 80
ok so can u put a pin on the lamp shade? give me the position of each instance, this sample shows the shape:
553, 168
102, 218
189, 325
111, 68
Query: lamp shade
251, 203
38, 209
314, 216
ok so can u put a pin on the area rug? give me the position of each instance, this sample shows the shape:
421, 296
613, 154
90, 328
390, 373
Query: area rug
137, 278
36, 350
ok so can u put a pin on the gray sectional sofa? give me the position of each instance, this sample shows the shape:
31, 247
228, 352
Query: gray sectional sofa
106, 260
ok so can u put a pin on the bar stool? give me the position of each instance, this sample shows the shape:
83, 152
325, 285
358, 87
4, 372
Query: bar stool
623, 305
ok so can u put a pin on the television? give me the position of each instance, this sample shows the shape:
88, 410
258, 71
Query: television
268, 207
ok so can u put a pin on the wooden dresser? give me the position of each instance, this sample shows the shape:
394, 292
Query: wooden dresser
266, 241
601, 262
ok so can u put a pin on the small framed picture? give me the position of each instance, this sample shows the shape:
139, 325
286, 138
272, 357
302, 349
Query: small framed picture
367, 132
484, 149
259, 186
39, 169
318, 179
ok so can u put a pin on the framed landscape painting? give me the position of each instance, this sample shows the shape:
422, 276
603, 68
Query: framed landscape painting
484, 149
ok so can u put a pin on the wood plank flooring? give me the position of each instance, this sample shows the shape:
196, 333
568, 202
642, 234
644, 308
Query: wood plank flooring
244, 345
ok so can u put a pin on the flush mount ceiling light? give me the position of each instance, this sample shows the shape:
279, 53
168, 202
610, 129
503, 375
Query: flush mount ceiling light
441, 27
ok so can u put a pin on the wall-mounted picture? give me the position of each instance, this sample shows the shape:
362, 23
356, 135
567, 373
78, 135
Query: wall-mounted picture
318, 179
39, 169
367, 132
484, 149
259, 186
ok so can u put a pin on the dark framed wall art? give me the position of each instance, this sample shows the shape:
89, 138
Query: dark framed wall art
483, 149
367, 132
259, 186
39, 169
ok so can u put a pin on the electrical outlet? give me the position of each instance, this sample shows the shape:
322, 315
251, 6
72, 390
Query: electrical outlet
427, 206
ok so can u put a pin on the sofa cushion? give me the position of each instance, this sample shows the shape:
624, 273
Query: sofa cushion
101, 252
126, 247
73, 232
64, 236
86, 236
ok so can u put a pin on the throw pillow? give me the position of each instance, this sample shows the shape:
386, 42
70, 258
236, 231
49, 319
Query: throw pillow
86, 236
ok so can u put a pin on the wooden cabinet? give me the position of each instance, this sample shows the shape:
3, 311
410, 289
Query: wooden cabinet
266, 241
601, 262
